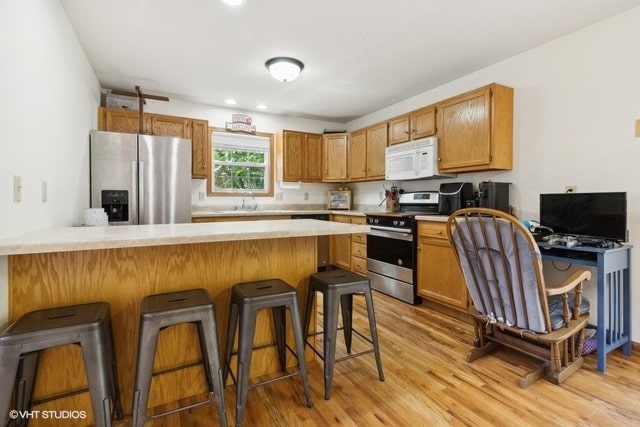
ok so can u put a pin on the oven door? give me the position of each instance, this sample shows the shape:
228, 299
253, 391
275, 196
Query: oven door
390, 259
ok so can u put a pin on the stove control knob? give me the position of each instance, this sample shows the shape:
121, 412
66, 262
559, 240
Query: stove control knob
395, 222
401, 223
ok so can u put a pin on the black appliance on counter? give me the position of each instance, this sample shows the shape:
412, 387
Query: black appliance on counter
454, 196
392, 245
494, 195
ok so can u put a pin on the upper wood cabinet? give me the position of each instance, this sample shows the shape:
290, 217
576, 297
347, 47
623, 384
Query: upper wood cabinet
414, 125
475, 130
399, 129
366, 153
423, 122
299, 156
357, 155
377, 137
127, 121
120, 120
200, 148
334, 157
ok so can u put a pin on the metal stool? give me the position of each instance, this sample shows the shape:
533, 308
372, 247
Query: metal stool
246, 299
88, 325
338, 287
159, 312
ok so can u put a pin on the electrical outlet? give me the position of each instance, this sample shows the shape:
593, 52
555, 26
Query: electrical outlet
201, 195
570, 189
306, 196
17, 189
279, 196
44, 192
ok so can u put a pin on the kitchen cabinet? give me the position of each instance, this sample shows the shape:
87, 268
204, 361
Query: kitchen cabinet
366, 153
359, 248
439, 275
357, 158
334, 157
200, 148
475, 130
349, 251
414, 125
120, 120
299, 156
399, 129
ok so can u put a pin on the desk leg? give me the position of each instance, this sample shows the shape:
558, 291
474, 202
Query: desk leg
614, 304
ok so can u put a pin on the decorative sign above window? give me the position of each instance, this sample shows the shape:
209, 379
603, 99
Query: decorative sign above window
240, 123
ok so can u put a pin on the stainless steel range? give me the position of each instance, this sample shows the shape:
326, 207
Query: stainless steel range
392, 245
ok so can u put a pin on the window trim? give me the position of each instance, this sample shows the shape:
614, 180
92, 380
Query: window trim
270, 168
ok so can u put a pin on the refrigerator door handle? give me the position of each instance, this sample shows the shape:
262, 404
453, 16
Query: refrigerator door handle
141, 196
134, 196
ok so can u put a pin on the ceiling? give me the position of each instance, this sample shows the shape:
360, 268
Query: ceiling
359, 55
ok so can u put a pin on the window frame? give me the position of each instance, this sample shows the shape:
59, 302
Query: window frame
270, 167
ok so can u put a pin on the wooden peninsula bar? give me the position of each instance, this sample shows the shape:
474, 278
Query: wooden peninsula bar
122, 264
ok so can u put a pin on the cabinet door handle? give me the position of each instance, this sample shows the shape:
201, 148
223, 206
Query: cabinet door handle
419, 248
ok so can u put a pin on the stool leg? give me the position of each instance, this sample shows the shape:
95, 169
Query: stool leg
308, 311
9, 362
231, 334
279, 323
147, 345
330, 325
346, 303
211, 356
26, 379
113, 374
245, 347
374, 331
302, 364
96, 366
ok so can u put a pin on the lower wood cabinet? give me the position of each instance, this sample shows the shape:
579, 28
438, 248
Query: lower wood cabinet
349, 251
439, 275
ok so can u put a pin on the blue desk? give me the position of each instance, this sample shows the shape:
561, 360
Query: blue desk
614, 292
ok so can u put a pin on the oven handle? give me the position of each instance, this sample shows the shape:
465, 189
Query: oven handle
392, 233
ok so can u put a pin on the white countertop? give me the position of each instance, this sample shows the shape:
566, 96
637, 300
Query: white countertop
66, 239
203, 213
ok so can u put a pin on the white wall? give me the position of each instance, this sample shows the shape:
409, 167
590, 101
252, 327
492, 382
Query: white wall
47, 107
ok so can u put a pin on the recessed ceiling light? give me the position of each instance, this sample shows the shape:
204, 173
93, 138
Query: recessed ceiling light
230, 101
261, 107
233, 2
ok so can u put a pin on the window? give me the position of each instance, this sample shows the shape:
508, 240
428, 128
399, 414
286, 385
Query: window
241, 163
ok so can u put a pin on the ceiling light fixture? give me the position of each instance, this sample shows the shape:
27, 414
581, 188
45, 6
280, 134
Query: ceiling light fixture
283, 68
233, 2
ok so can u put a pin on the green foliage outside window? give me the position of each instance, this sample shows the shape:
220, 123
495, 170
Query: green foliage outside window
239, 169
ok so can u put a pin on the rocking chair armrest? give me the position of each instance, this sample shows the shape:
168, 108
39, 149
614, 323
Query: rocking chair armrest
570, 283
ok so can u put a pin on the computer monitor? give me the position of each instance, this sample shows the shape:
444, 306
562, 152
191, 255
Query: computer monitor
598, 215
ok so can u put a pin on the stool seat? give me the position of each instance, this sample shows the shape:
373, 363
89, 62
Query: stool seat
246, 300
88, 325
161, 311
338, 287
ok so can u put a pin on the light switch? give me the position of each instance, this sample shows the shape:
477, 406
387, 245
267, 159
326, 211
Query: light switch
638, 128
44, 191
17, 189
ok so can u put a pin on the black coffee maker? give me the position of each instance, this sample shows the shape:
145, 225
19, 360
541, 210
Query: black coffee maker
454, 196
494, 195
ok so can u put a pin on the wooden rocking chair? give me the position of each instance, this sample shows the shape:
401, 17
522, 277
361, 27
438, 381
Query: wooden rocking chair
502, 267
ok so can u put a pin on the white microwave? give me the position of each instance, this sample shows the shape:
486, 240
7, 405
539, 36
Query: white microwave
413, 160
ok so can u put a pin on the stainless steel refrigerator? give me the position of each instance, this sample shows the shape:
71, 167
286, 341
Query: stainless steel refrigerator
141, 179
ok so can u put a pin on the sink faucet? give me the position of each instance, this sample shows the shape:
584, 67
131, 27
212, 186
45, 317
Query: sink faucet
253, 206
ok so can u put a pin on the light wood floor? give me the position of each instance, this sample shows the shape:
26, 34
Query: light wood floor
428, 383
